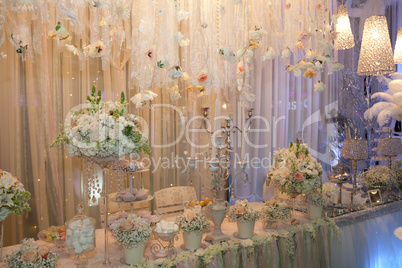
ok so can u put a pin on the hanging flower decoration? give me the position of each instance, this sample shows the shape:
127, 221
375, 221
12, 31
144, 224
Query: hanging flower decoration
319, 86
185, 78
182, 15
175, 72
226, 53
240, 69
150, 53
203, 79
269, 54
310, 74
159, 11
60, 33
94, 50
120, 9
161, 63
140, 99
25, 5
286, 53
74, 49
300, 45
174, 93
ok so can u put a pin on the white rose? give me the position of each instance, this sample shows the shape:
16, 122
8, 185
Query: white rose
269, 54
286, 53
319, 86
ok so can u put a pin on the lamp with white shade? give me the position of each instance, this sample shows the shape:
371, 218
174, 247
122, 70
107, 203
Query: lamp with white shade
344, 39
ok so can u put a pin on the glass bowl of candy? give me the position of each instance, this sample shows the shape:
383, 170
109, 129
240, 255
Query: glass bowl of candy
80, 233
55, 235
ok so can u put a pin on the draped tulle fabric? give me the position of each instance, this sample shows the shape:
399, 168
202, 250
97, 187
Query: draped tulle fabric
369, 244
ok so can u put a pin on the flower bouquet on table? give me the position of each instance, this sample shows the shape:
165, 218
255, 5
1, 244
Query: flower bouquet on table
295, 171
245, 217
14, 197
377, 177
32, 254
192, 223
274, 211
329, 192
132, 233
103, 130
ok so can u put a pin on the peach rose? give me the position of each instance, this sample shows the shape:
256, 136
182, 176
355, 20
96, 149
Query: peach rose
300, 45
43, 250
126, 226
241, 211
190, 215
202, 78
310, 74
299, 176
30, 255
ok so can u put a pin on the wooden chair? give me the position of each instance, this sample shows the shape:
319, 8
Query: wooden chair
170, 200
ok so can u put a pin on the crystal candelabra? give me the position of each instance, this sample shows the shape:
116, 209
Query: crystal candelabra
219, 176
354, 149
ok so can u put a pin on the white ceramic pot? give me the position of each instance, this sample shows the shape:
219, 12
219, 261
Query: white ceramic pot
192, 240
315, 212
134, 254
245, 229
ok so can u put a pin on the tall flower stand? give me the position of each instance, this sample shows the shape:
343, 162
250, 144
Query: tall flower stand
105, 163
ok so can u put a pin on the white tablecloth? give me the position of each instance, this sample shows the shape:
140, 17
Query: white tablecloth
116, 253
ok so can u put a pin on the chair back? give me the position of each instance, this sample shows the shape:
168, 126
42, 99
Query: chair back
170, 200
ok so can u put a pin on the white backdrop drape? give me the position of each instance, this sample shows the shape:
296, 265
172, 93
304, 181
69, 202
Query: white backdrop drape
37, 93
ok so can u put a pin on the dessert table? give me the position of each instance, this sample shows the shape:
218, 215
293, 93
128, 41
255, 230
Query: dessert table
310, 244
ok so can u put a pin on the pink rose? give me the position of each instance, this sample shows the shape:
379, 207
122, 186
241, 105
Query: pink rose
299, 176
43, 250
190, 215
287, 5
241, 211
126, 226
30, 255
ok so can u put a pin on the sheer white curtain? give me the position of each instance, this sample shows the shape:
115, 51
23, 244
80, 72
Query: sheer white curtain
285, 107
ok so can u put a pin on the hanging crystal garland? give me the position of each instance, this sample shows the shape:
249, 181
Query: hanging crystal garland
91, 181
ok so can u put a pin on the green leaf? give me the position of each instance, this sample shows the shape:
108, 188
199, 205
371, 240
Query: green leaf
58, 26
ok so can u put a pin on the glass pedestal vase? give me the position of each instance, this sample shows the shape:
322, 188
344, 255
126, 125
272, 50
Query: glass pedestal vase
293, 196
4, 213
245, 229
105, 163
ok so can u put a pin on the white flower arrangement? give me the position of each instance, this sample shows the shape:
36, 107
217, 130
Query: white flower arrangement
131, 231
329, 190
105, 129
275, 210
241, 212
32, 254
192, 220
13, 196
377, 176
316, 199
295, 170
